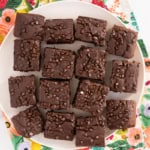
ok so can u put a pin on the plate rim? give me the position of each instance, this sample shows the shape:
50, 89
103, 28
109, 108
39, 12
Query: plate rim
86, 3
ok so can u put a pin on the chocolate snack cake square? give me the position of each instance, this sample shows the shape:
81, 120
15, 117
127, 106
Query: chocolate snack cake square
22, 91
58, 63
91, 30
28, 122
59, 31
90, 63
122, 42
54, 95
91, 97
27, 55
124, 77
89, 132
120, 114
59, 126
29, 26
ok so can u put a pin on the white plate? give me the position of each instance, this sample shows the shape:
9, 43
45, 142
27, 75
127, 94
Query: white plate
63, 9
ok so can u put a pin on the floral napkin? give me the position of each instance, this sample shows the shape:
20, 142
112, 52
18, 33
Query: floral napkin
137, 138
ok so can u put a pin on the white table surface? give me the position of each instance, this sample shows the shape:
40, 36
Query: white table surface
141, 9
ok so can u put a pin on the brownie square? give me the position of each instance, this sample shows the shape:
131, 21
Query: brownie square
28, 122
29, 26
22, 91
89, 132
59, 31
54, 95
124, 77
91, 97
90, 63
120, 114
91, 120
59, 126
58, 63
122, 42
27, 55
91, 30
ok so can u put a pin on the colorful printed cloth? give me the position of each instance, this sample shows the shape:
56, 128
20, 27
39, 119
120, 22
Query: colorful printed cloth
137, 138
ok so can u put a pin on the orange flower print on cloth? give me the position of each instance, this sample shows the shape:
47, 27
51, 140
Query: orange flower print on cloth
8, 17
147, 137
134, 136
147, 131
3, 3
147, 142
3, 31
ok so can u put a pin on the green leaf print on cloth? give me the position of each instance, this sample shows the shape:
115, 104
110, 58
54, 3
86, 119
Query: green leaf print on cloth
147, 96
119, 144
13, 4
30, 5
37, 4
139, 145
123, 145
145, 120
143, 47
16, 140
46, 148
142, 108
145, 115
133, 21
97, 148
124, 21
148, 89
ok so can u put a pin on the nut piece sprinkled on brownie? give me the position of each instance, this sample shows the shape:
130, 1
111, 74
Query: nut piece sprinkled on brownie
28, 122
59, 126
89, 132
59, 31
120, 114
124, 77
90, 63
27, 55
58, 63
122, 42
54, 95
29, 26
91, 97
91, 30
22, 91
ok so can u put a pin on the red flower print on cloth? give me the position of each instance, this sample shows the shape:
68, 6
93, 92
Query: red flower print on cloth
100, 3
147, 83
3, 3
110, 137
32, 2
